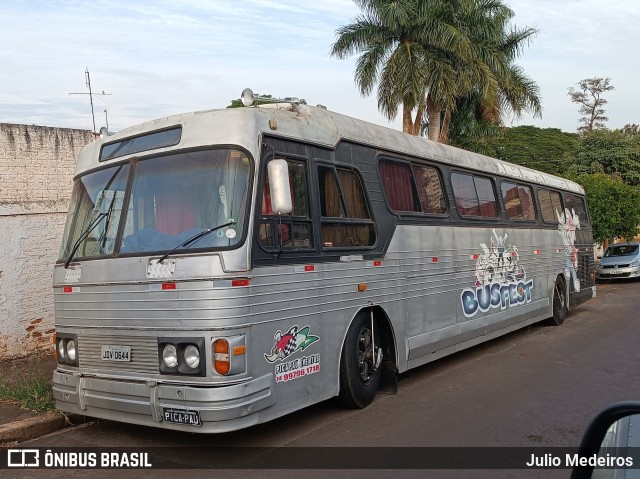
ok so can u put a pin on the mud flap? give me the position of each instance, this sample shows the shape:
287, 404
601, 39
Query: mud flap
389, 381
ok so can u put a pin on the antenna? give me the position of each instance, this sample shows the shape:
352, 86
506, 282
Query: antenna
248, 98
91, 94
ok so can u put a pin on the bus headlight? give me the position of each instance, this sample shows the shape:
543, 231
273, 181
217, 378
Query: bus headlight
71, 350
170, 356
192, 356
181, 356
67, 348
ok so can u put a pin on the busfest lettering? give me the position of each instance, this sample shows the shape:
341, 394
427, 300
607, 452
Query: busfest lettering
500, 281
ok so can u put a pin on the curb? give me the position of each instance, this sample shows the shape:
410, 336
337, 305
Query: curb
33, 427
25, 429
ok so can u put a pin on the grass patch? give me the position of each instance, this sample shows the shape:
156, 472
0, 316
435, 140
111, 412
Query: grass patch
32, 391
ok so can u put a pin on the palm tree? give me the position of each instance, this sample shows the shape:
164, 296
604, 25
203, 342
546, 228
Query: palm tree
390, 37
481, 112
428, 54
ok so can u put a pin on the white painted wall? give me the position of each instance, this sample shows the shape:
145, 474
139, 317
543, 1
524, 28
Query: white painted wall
36, 170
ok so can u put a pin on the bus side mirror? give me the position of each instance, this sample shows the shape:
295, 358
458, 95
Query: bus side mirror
278, 171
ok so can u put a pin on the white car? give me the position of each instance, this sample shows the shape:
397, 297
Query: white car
621, 260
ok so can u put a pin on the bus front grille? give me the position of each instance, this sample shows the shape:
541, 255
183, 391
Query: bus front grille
144, 353
585, 267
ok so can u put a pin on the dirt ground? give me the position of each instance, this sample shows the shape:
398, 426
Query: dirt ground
15, 370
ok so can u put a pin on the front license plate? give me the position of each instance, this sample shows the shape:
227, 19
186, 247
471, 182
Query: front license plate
116, 353
182, 416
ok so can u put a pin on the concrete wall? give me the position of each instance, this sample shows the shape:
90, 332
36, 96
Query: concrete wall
36, 170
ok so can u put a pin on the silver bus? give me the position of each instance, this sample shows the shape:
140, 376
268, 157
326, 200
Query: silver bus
223, 268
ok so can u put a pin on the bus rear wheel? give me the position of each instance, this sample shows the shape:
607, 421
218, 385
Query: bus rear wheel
360, 373
559, 302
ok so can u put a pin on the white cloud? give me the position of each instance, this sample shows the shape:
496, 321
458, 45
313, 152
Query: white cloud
166, 57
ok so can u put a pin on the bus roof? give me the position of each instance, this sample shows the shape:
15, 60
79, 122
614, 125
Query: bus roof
241, 126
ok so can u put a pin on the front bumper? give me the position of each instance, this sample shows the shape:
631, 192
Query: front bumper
618, 273
221, 408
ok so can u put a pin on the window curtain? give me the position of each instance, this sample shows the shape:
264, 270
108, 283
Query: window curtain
396, 181
429, 190
174, 213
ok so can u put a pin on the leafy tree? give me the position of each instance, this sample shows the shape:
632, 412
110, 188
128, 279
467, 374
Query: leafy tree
589, 97
615, 153
546, 149
426, 55
389, 36
480, 112
614, 206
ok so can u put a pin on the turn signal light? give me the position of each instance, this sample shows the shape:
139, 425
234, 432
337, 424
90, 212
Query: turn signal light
221, 362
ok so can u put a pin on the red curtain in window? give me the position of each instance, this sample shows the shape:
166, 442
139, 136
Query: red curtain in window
396, 181
174, 213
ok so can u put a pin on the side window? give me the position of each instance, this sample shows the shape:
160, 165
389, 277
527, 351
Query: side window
430, 191
346, 220
518, 201
412, 188
398, 185
292, 231
550, 205
474, 195
576, 203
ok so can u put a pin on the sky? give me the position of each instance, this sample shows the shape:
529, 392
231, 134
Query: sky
160, 58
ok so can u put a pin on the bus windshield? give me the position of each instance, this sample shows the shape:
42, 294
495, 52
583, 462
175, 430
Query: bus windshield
169, 200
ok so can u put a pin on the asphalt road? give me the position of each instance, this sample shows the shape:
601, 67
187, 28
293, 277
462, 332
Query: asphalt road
538, 387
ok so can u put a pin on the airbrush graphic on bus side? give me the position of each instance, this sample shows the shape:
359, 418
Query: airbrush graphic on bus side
500, 280
568, 223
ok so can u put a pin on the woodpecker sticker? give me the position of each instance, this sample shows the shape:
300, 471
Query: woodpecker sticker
290, 342
501, 282
286, 344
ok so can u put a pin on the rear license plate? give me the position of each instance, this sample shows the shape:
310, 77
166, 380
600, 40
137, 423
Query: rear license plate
116, 353
181, 416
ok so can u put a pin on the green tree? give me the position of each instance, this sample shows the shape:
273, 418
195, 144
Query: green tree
614, 206
546, 149
615, 153
425, 55
591, 102
480, 112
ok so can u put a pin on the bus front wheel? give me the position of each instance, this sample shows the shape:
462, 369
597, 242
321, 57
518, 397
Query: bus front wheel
360, 373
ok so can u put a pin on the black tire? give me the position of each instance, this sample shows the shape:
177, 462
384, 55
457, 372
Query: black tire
560, 308
358, 380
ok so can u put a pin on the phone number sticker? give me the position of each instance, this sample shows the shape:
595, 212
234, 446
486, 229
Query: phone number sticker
297, 368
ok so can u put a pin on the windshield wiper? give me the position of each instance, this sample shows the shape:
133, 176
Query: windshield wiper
83, 236
96, 220
195, 238
103, 237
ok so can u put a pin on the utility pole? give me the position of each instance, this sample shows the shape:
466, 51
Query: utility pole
91, 94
